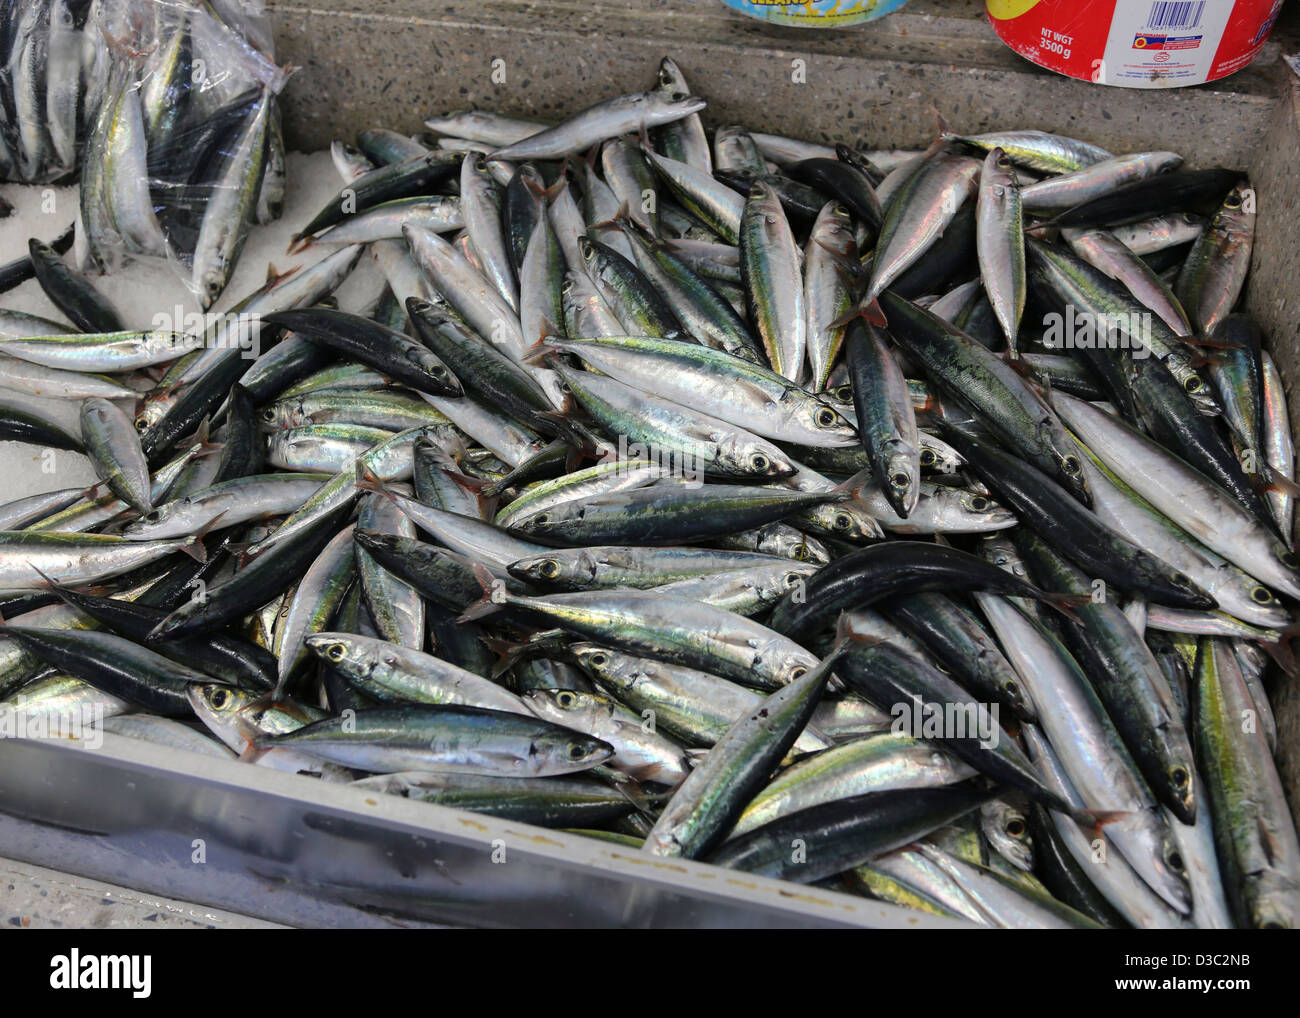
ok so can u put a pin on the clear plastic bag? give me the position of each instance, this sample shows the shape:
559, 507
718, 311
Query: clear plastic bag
170, 106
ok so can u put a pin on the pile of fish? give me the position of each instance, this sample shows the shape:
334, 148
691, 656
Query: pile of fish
914, 524
170, 110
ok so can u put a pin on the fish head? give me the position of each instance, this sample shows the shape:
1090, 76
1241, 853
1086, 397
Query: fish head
577, 752
1275, 908
220, 708
341, 651
938, 457
599, 662
850, 520
976, 509
157, 521
553, 570
428, 363
284, 414
1008, 831
568, 707
542, 522
746, 456
901, 483
1171, 875
671, 78
821, 415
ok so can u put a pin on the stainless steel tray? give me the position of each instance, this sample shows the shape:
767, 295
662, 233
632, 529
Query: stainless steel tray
296, 850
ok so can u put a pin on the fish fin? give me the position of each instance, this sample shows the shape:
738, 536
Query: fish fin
53, 585
844, 634
857, 482
875, 314
471, 484
1065, 603
202, 436
1011, 357
1283, 656
556, 418
367, 481
210, 526
193, 547
851, 267
572, 164
844, 319
538, 352
1095, 819
943, 129
620, 220
508, 652
696, 755
634, 793
256, 749
487, 604
274, 276
1206, 341
1278, 481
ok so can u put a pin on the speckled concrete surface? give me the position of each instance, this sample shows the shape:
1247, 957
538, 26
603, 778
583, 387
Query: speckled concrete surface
393, 63
35, 898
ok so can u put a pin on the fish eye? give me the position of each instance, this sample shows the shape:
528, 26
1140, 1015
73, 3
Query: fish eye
599, 659
153, 517
549, 569
1233, 201
800, 553
336, 652
1193, 383
218, 698
577, 751
759, 462
566, 699
665, 78
268, 414
678, 97
1004, 163
1015, 827
141, 424
979, 503
1179, 776
541, 519
844, 394
1289, 560
1070, 465
928, 458
1176, 862
437, 371
900, 480
1261, 595
567, 286
826, 417
842, 521
798, 672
